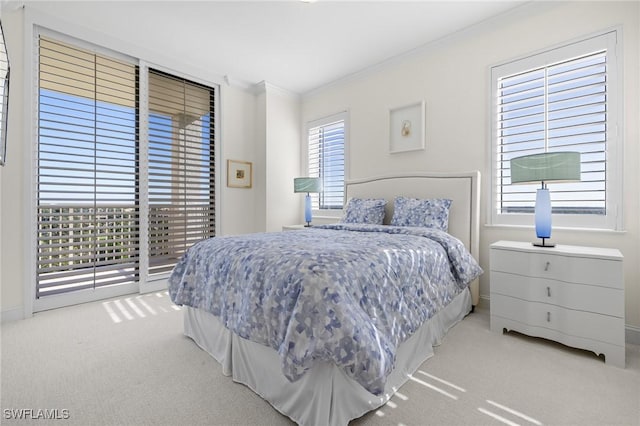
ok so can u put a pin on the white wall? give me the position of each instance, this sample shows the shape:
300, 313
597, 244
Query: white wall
453, 77
278, 154
241, 130
283, 138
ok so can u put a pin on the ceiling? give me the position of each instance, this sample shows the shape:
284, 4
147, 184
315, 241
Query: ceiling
294, 45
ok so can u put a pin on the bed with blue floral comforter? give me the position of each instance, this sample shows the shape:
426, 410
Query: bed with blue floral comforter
349, 294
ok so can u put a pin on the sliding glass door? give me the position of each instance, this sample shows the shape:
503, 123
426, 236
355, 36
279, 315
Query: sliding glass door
112, 199
88, 206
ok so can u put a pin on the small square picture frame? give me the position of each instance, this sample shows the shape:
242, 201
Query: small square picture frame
407, 127
239, 174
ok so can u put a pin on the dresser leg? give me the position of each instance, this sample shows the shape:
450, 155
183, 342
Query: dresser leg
496, 328
616, 358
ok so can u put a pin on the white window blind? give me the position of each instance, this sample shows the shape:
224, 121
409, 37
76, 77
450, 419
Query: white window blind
181, 166
563, 104
87, 177
326, 160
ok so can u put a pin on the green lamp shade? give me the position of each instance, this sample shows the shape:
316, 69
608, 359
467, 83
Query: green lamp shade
306, 184
546, 167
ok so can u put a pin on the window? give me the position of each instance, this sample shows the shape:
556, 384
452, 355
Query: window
181, 159
565, 99
90, 190
326, 160
88, 209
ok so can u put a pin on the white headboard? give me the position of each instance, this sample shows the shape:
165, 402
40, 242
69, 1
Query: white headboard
462, 188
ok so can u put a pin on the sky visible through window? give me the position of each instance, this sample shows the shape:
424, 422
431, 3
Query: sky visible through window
89, 144
93, 143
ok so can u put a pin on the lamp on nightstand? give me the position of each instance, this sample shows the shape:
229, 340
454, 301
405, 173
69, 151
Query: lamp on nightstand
546, 167
308, 185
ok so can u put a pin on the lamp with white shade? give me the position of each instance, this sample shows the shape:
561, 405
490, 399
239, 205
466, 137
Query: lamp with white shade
546, 167
308, 185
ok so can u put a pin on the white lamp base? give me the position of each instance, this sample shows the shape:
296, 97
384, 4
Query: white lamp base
307, 210
543, 217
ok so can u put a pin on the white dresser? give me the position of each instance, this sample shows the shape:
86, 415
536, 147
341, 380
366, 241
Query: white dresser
573, 295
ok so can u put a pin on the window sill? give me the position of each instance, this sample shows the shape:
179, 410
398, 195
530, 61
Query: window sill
556, 228
324, 214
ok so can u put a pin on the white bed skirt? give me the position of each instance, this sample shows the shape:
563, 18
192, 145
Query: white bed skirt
324, 395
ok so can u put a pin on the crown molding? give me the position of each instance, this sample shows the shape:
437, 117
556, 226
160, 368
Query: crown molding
237, 83
266, 87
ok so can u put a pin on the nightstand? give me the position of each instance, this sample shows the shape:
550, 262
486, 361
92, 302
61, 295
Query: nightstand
573, 295
293, 227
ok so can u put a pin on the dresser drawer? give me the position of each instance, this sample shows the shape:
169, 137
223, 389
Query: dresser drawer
581, 324
571, 294
580, 270
581, 297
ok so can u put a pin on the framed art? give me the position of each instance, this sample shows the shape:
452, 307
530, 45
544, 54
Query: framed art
239, 174
406, 128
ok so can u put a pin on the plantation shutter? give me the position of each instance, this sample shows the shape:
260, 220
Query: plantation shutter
87, 175
326, 161
558, 107
181, 168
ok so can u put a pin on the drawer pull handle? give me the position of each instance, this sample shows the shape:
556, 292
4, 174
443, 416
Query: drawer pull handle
546, 266
548, 291
548, 316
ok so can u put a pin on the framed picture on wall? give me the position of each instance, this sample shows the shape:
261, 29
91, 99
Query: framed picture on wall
239, 174
407, 128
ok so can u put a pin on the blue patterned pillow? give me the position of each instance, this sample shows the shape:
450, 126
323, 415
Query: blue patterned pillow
431, 213
364, 210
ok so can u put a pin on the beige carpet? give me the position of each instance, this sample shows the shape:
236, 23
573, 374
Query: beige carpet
125, 362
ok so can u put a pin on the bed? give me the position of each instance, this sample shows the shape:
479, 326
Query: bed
327, 323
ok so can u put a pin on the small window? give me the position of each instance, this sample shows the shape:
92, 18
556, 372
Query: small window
326, 160
564, 99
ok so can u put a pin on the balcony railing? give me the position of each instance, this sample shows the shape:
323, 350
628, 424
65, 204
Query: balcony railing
82, 246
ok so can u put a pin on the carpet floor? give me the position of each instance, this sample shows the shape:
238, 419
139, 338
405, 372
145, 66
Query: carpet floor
125, 362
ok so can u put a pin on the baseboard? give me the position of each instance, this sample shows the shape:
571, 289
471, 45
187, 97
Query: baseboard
484, 302
632, 335
12, 314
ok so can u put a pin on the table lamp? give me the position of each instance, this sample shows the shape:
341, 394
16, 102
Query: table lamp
308, 185
546, 167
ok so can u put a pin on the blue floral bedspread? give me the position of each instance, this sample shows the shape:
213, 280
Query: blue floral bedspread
343, 293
